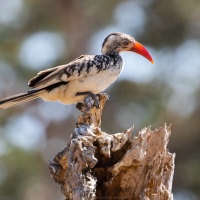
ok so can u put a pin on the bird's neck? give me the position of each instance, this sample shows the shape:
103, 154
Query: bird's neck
112, 54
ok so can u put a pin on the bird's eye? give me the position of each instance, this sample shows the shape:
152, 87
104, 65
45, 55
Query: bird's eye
125, 43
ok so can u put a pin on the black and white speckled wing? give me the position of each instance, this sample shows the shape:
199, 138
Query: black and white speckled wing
83, 66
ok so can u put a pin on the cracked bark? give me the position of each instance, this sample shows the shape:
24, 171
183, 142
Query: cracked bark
97, 165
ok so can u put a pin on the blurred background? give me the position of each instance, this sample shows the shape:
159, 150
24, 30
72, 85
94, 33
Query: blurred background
36, 35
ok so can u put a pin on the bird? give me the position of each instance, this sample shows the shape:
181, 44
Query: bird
87, 75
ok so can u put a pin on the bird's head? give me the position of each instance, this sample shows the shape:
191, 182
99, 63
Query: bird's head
117, 42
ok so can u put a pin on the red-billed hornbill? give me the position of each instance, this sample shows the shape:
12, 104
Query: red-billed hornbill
86, 75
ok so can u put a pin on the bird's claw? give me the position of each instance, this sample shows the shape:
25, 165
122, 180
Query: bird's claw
92, 99
95, 101
105, 95
96, 98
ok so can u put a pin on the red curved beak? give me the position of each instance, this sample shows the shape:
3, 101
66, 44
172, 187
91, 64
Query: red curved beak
140, 49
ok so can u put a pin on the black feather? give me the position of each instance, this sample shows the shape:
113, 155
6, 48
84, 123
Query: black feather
33, 81
56, 85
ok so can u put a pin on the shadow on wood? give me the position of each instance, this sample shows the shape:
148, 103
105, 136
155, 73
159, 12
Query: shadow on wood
97, 165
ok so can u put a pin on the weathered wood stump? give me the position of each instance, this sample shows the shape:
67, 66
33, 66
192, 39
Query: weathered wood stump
97, 165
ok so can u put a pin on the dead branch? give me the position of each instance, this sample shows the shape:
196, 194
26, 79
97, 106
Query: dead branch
97, 165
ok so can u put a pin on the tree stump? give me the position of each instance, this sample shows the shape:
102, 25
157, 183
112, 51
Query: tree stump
97, 165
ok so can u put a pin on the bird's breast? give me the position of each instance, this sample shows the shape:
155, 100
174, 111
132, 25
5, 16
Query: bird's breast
100, 81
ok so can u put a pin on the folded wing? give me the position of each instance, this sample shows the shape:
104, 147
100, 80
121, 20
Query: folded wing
78, 68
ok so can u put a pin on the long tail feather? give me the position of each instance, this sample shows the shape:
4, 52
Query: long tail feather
19, 98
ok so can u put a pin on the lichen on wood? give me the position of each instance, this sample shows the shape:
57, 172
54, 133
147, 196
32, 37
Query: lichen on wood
97, 165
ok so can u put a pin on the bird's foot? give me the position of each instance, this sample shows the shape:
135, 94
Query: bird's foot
105, 95
87, 101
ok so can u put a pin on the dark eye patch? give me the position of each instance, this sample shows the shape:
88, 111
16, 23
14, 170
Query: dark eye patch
125, 43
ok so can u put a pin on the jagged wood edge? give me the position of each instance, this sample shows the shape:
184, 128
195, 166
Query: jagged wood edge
93, 163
